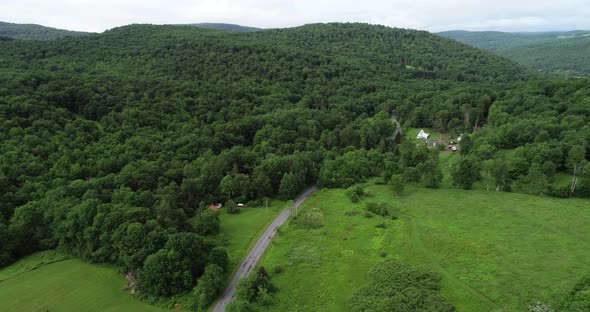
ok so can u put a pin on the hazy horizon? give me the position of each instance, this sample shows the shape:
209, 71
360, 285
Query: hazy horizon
485, 15
255, 26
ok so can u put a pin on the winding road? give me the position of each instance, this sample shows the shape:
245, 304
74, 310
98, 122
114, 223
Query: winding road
258, 250
398, 127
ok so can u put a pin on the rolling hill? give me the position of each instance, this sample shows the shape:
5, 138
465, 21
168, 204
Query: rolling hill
35, 32
561, 52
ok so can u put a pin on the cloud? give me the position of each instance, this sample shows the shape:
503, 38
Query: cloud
433, 15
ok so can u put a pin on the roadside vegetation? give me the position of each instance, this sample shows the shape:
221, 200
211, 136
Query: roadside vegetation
239, 232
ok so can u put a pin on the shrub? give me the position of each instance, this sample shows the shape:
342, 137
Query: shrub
218, 256
578, 299
397, 184
208, 223
255, 289
381, 209
311, 219
239, 305
354, 193
399, 287
232, 207
412, 174
278, 269
208, 287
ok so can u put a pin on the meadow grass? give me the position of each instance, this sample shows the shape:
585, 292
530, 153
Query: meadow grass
30, 263
48, 281
495, 251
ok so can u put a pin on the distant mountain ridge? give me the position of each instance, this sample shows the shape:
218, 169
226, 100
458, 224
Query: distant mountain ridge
554, 51
227, 27
40, 32
35, 32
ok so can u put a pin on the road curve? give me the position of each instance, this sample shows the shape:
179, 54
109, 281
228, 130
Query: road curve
258, 250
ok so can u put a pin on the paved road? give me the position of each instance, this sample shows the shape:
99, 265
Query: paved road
398, 128
252, 259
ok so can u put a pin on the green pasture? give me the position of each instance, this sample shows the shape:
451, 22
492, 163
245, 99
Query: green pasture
48, 281
495, 251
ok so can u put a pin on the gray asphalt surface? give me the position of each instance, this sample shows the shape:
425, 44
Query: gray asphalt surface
258, 250
398, 128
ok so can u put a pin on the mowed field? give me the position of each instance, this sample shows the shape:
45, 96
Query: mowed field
36, 283
495, 251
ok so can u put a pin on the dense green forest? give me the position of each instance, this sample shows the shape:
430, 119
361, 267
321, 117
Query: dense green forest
534, 131
110, 142
564, 53
35, 32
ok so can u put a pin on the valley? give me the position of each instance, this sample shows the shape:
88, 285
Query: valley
152, 151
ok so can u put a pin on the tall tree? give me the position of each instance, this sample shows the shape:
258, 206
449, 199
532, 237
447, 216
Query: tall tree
397, 183
466, 172
289, 186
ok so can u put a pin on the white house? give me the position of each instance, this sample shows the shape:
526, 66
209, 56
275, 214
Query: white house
422, 135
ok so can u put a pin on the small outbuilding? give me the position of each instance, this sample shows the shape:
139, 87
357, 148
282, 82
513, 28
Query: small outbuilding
215, 207
423, 135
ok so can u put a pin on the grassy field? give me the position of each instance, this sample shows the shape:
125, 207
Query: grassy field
49, 282
495, 251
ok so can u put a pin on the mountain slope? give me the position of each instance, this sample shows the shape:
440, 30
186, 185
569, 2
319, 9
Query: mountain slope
547, 51
35, 32
231, 89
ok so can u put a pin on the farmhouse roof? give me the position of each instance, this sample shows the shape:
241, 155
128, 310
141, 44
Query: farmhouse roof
422, 135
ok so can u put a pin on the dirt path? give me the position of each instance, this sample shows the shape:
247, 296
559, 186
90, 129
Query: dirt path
258, 250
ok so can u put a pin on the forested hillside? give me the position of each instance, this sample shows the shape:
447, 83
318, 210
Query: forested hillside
535, 131
110, 142
35, 32
558, 52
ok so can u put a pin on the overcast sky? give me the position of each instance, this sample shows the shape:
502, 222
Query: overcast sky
431, 15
